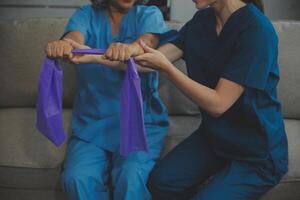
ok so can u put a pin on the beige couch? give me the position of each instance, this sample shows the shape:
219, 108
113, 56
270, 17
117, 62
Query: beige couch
30, 165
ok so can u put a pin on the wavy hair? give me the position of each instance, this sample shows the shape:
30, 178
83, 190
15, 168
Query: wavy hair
103, 4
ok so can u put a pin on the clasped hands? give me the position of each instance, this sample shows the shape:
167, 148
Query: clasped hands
147, 58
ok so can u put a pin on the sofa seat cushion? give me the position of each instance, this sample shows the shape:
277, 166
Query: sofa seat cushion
292, 128
21, 145
30, 178
36, 183
284, 191
289, 47
181, 127
31, 194
24, 42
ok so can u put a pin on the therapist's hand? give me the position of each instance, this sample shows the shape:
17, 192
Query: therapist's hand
59, 49
122, 52
153, 59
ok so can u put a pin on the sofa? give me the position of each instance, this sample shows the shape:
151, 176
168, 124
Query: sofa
30, 165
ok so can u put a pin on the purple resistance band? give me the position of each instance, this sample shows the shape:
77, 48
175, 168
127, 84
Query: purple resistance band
49, 105
49, 102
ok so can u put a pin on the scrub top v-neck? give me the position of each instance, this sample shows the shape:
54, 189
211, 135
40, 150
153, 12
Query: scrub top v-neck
96, 111
244, 52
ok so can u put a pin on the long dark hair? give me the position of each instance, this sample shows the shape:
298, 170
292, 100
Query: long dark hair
258, 3
104, 4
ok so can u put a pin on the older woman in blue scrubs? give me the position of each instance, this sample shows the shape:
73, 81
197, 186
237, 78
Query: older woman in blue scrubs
93, 164
240, 149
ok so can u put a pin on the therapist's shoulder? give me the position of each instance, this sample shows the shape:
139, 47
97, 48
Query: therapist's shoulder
261, 26
202, 16
204, 13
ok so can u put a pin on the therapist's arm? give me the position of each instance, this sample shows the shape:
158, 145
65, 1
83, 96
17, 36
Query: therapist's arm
171, 52
216, 101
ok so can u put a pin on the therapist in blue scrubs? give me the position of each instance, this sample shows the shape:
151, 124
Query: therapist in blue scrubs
240, 149
93, 165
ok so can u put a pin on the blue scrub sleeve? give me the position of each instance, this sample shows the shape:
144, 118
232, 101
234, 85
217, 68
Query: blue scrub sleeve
254, 55
80, 21
150, 20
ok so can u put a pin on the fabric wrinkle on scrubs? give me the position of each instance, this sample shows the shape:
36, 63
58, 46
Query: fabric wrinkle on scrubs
93, 150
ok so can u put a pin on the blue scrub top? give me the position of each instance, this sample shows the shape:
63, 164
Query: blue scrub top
97, 104
245, 52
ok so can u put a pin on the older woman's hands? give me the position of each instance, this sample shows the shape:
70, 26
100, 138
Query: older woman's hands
122, 52
99, 59
91, 58
82, 59
59, 49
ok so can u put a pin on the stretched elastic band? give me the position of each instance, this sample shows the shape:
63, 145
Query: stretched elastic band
89, 51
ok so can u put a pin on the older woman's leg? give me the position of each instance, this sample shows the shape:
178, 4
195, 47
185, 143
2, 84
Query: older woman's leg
130, 174
85, 172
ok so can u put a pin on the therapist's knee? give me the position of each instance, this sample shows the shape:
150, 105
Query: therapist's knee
159, 182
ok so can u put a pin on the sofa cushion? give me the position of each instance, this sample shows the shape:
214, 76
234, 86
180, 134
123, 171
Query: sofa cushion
48, 178
30, 178
284, 191
292, 128
31, 194
23, 45
289, 48
21, 145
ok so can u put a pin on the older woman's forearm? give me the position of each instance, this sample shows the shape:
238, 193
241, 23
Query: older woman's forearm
75, 36
150, 39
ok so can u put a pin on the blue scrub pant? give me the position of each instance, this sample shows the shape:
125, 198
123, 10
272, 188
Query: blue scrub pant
193, 163
90, 172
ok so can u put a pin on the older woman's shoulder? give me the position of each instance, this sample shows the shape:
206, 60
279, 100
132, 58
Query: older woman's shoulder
86, 8
143, 9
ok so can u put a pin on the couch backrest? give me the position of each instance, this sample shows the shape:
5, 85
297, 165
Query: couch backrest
289, 62
22, 51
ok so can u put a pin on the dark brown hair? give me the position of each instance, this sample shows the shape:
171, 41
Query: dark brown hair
258, 3
103, 4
